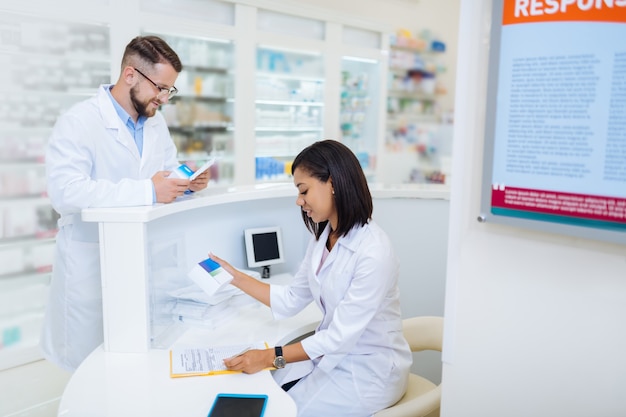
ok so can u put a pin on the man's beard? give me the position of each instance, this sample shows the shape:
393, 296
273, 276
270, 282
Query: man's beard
141, 107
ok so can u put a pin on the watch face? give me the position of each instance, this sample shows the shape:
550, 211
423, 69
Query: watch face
279, 362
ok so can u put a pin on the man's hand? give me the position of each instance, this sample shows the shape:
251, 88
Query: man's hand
200, 182
167, 189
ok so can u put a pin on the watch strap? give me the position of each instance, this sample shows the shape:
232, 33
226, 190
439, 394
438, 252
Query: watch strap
279, 360
278, 351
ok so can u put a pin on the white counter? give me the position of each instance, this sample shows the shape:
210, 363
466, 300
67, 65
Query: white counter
138, 384
144, 248
216, 196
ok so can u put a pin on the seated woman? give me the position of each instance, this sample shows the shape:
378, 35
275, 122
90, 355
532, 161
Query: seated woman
360, 359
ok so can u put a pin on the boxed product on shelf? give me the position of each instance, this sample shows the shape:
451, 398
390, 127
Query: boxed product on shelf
40, 257
20, 331
20, 221
18, 297
22, 181
11, 260
29, 219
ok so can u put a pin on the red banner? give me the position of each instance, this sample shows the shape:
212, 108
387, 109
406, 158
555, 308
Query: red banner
532, 11
559, 203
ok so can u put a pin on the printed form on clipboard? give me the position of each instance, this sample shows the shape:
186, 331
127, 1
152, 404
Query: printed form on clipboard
185, 361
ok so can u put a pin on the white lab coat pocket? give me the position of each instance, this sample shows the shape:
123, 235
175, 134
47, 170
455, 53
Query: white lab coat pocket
377, 379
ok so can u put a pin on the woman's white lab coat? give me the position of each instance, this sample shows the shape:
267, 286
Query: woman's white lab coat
360, 356
92, 161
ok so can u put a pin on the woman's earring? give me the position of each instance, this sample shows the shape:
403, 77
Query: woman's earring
333, 192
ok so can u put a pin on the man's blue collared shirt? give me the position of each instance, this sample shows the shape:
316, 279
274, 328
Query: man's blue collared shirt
135, 129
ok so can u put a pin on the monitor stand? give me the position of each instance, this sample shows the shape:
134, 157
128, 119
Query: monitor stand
266, 272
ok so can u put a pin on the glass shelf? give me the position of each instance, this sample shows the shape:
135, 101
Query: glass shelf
289, 129
48, 65
200, 116
359, 110
289, 108
290, 103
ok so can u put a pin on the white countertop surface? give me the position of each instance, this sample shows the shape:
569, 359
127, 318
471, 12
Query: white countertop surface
138, 384
220, 195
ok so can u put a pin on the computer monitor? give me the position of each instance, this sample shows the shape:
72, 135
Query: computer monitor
264, 247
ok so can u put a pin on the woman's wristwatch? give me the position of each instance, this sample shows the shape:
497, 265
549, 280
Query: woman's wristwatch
279, 360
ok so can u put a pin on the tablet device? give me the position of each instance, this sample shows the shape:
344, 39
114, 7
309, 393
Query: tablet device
238, 405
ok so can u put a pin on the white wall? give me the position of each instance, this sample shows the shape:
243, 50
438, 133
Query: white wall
534, 321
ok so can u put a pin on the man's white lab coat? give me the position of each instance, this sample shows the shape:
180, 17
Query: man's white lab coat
92, 161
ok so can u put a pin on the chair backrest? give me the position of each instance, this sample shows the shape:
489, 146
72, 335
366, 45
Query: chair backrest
423, 332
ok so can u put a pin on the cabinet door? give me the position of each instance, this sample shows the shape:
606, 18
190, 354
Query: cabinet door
359, 110
289, 108
47, 66
200, 116
411, 96
415, 137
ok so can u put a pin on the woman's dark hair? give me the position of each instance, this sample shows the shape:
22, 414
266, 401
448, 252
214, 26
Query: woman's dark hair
332, 160
150, 50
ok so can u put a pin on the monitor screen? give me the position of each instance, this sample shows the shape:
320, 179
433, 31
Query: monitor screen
264, 246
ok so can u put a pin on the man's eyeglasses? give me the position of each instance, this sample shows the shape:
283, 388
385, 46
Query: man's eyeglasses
169, 92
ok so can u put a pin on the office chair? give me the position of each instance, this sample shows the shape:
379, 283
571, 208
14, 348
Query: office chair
422, 397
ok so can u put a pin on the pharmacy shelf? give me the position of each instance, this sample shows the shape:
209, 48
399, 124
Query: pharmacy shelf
200, 117
411, 95
289, 129
291, 77
48, 65
290, 103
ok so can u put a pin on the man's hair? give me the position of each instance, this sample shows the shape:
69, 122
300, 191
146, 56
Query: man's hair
331, 160
150, 50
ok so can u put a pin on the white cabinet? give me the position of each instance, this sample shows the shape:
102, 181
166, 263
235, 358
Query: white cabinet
289, 108
47, 65
360, 97
415, 132
200, 116
317, 79
278, 75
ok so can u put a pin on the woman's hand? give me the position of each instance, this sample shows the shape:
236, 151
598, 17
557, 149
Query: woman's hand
247, 284
252, 361
227, 267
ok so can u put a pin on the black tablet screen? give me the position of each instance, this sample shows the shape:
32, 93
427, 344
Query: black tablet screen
238, 406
